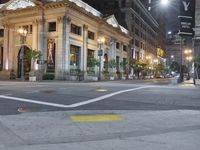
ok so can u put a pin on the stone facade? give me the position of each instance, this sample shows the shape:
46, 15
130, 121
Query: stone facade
65, 32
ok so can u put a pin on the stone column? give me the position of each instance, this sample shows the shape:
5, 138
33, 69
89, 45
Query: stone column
67, 42
35, 35
84, 50
113, 48
42, 42
6, 47
63, 47
40, 37
11, 50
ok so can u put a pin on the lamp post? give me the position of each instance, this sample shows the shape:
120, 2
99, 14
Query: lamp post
23, 33
148, 58
100, 53
188, 58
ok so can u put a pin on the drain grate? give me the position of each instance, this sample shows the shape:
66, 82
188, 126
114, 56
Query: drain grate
48, 91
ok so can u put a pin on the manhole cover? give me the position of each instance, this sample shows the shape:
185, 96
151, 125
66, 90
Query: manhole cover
48, 91
100, 89
25, 109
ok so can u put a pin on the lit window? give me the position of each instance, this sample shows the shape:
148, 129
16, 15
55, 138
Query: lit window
75, 29
74, 55
52, 26
90, 35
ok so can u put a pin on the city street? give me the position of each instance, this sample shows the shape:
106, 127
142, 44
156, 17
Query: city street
143, 114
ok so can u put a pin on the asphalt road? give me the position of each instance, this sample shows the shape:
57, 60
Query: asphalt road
159, 94
119, 115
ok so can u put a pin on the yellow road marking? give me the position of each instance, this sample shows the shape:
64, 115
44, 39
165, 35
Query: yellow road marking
96, 118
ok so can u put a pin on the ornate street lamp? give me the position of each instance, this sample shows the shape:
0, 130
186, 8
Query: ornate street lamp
100, 53
23, 33
188, 53
164, 2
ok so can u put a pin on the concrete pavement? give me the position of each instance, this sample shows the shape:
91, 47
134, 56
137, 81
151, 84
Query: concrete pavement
149, 130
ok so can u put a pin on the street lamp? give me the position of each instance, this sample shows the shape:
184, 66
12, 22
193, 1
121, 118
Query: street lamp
164, 2
100, 53
188, 58
23, 33
148, 57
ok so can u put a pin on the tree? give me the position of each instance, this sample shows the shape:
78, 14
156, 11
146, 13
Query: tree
138, 66
112, 65
197, 66
125, 67
91, 63
175, 66
32, 55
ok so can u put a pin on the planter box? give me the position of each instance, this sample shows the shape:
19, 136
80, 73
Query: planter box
123, 78
92, 78
197, 81
174, 80
73, 78
32, 79
112, 78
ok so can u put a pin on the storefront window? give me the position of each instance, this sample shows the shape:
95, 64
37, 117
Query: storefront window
74, 56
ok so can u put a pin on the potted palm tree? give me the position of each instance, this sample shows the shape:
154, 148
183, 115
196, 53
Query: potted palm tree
91, 63
33, 55
112, 65
125, 68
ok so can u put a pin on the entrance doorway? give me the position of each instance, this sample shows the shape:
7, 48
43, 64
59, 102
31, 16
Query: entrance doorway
27, 63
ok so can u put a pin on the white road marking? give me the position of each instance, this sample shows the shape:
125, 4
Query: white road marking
75, 104
36, 91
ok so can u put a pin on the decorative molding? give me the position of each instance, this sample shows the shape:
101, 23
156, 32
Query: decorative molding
68, 19
36, 21
85, 27
8, 25
60, 19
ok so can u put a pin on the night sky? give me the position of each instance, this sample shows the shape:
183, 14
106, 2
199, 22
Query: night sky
172, 12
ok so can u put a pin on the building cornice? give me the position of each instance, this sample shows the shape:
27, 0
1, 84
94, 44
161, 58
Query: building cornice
36, 12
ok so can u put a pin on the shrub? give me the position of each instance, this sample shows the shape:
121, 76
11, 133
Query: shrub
48, 76
12, 74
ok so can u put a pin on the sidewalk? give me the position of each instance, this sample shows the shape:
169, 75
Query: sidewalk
139, 130
188, 81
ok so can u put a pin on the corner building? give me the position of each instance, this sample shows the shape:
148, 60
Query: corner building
65, 31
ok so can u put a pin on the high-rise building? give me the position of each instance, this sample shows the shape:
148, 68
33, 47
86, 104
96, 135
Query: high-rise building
3, 1
197, 28
142, 25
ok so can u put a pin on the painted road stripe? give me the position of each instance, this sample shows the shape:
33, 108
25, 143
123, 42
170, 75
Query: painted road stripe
72, 105
96, 118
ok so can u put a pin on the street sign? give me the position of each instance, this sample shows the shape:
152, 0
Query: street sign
187, 17
100, 52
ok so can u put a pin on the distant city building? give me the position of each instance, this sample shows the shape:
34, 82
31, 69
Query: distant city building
197, 28
143, 28
176, 51
67, 33
173, 48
